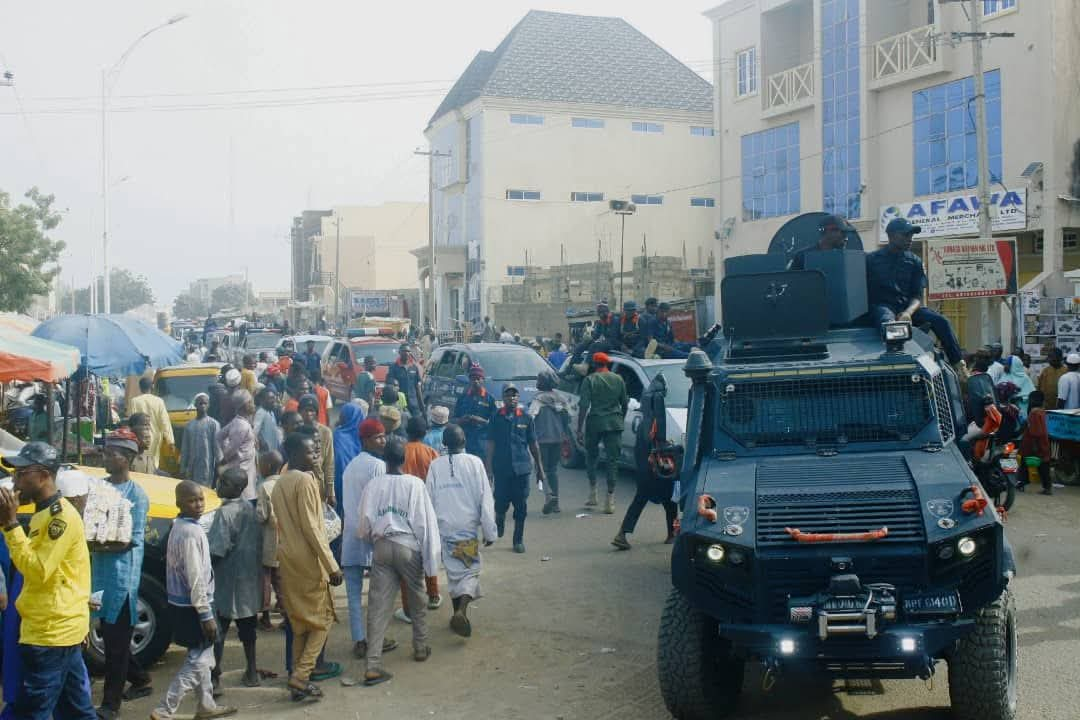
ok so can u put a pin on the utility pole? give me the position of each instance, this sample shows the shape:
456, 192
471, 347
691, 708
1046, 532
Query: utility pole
337, 273
431, 155
977, 37
622, 208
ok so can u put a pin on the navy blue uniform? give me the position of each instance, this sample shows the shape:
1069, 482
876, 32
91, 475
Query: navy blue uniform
482, 405
893, 280
407, 378
512, 434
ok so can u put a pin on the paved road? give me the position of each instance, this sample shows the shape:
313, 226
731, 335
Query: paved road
574, 636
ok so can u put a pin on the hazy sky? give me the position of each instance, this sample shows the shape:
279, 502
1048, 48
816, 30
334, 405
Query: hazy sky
215, 171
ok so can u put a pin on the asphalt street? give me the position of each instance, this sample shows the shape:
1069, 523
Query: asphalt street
568, 630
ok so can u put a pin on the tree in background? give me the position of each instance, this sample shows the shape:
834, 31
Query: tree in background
234, 296
27, 255
188, 306
128, 290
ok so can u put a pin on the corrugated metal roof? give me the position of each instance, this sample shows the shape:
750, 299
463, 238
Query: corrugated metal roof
558, 57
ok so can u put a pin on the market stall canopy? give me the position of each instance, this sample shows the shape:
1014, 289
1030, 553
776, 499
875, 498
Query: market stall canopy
113, 345
19, 322
24, 357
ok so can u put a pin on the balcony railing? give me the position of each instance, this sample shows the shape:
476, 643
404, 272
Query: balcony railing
907, 51
789, 87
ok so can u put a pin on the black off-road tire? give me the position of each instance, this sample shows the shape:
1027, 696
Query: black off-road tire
983, 667
700, 675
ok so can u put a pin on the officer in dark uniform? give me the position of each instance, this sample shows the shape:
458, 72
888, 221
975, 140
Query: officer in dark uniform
473, 412
512, 452
631, 328
407, 374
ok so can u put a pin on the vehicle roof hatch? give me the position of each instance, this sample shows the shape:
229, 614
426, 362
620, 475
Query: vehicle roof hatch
775, 316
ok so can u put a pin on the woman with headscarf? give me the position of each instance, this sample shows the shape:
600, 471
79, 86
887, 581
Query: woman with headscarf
238, 442
346, 443
1016, 373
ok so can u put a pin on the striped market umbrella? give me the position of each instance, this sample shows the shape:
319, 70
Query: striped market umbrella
25, 357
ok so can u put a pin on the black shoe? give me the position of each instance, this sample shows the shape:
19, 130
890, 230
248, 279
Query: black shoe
519, 547
105, 713
500, 526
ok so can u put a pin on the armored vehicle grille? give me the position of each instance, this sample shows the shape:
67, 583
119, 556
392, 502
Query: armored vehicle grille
837, 495
826, 410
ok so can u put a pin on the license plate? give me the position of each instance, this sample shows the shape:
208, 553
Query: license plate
932, 604
1009, 465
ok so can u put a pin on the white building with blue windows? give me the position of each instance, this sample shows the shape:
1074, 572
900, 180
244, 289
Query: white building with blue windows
862, 108
534, 139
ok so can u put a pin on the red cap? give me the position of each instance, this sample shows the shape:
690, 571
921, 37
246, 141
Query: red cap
601, 358
370, 428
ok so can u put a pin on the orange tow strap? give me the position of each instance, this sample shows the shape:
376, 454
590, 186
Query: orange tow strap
799, 536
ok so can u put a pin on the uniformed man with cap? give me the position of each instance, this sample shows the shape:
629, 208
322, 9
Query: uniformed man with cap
54, 604
631, 327
833, 229
602, 404
606, 326
895, 281
512, 453
473, 412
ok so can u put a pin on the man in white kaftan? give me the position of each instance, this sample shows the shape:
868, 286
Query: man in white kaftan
463, 502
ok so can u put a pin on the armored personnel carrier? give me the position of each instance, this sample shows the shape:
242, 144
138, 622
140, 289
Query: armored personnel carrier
830, 517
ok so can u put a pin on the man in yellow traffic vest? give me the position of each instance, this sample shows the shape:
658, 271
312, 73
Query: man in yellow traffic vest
55, 601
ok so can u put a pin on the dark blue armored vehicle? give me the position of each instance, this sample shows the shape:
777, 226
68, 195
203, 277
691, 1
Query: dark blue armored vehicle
830, 516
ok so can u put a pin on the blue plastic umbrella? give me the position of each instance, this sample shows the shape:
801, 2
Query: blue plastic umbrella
113, 345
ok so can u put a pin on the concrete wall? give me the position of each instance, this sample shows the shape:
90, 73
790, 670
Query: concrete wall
531, 319
375, 244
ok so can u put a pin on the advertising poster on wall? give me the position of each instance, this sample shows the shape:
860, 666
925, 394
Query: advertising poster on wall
957, 268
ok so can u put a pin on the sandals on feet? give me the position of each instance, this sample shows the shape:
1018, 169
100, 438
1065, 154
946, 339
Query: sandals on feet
308, 692
461, 625
376, 678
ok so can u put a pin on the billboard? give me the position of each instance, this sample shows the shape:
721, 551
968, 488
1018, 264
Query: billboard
950, 215
970, 268
363, 302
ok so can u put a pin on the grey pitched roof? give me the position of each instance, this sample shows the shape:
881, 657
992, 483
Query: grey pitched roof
559, 57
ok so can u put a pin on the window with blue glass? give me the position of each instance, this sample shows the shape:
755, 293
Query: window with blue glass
946, 153
586, 197
590, 123
770, 172
522, 194
520, 119
993, 7
840, 66
647, 199
647, 127
699, 131
702, 202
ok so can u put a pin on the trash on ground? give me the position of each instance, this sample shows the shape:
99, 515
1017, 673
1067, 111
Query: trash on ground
583, 515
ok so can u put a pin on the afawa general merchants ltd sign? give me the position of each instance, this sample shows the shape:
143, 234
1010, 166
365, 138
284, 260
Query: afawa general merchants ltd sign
953, 215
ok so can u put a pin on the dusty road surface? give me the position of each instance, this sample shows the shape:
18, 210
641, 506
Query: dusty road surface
574, 636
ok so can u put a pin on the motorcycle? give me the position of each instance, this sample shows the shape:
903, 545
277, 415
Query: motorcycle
994, 461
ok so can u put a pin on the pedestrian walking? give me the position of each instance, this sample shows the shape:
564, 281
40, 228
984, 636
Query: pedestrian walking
397, 518
654, 482
552, 419
310, 360
473, 412
512, 453
406, 373
144, 461
438, 418
199, 451
602, 404
391, 418
1068, 389
347, 445
270, 463
265, 421
189, 581
235, 539
1036, 442
418, 455
116, 571
54, 602
320, 391
323, 438
306, 565
249, 380
364, 387
463, 502
238, 444
355, 551
1047, 383
154, 408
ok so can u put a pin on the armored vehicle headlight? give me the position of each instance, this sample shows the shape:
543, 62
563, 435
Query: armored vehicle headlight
715, 553
966, 546
897, 331
787, 646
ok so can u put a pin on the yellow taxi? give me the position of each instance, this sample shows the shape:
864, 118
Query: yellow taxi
178, 386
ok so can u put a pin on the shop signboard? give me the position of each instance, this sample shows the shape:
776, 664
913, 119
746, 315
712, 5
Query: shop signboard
952, 215
959, 268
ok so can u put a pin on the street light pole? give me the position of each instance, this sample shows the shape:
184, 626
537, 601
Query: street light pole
337, 273
105, 72
622, 208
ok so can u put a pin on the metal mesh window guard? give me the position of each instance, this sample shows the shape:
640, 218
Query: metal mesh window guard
831, 410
